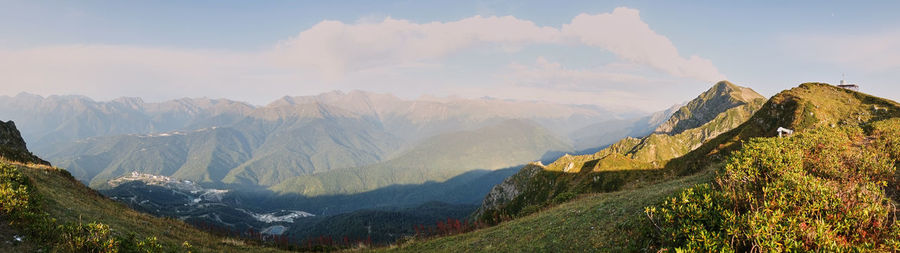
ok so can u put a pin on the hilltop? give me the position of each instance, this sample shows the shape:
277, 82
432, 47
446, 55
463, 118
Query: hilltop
722, 96
846, 139
723, 107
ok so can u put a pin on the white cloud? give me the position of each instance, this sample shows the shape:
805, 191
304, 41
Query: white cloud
389, 55
623, 33
335, 48
873, 52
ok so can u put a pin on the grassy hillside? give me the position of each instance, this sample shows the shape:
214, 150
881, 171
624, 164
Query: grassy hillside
833, 186
629, 162
611, 222
51, 209
44, 208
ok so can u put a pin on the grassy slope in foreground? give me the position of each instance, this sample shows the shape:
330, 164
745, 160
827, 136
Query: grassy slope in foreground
608, 221
620, 215
69, 201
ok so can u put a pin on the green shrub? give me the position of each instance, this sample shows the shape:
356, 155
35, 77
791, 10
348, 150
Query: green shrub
563, 197
18, 202
14, 191
823, 190
93, 237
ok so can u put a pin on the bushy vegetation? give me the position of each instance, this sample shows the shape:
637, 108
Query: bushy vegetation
18, 204
828, 189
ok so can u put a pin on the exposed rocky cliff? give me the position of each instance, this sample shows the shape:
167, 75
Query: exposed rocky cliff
509, 189
12, 146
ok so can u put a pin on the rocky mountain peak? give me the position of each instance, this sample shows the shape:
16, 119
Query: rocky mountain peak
719, 98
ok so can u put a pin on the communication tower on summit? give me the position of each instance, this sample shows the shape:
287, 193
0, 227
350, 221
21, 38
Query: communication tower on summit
849, 86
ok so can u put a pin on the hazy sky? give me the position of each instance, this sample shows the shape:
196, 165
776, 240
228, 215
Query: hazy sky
621, 54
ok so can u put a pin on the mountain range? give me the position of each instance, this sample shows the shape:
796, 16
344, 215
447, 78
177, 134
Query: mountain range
716, 167
237, 145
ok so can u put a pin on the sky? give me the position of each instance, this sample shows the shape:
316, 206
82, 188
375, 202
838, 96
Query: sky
622, 55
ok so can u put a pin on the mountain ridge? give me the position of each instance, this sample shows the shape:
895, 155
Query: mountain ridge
629, 218
728, 103
292, 136
722, 96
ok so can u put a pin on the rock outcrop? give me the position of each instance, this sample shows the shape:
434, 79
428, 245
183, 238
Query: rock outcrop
12, 146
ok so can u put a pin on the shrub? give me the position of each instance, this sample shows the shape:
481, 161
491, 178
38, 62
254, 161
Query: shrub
18, 202
822, 190
563, 197
93, 237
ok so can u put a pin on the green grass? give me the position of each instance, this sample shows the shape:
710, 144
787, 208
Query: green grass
68, 201
612, 222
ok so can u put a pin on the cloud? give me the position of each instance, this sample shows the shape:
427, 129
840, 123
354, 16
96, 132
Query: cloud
623, 33
386, 55
875, 52
335, 48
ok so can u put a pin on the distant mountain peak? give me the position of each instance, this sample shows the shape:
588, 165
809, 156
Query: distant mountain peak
719, 98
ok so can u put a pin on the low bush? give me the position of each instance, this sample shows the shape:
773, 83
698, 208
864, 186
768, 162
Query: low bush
828, 189
18, 202
564, 197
